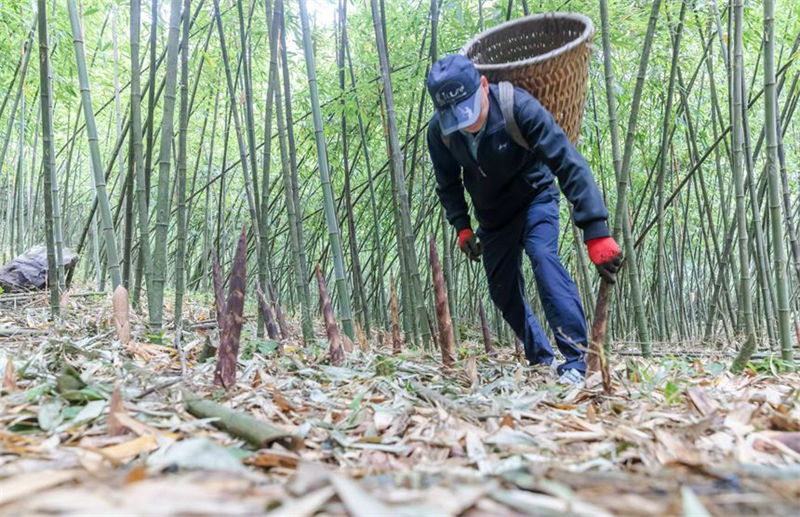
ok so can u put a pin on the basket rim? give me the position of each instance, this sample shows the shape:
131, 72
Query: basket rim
587, 32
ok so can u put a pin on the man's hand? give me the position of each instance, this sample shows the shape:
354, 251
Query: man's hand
604, 252
468, 243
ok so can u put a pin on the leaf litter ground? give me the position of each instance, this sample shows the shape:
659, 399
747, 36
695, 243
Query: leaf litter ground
383, 435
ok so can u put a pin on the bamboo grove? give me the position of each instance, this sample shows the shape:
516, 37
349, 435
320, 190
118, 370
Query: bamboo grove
156, 129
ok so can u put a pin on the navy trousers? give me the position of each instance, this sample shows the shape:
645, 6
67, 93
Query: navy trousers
535, 230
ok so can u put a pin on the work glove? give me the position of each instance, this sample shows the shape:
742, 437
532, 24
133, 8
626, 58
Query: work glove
604, 252
468, 243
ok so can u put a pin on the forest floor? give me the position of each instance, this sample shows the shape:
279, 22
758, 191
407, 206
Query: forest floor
382, 435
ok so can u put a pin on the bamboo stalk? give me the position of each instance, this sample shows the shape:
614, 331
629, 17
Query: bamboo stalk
397, 342
94, 148
661, 275
233, 106
263, 304
776, 219
282, 325
745, 301
180, 179
622, 161
163, 201
487, 336
144, 264
360, 304
406, 241
219, 297
302, 266
295, 242
324, 176
54, 265
254, 431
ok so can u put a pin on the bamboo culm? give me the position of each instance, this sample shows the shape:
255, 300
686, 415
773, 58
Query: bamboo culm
94, 147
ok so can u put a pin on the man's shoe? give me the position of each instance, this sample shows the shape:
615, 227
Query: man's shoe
570, 377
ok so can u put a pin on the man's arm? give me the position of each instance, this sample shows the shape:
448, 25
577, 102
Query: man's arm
449, 186
551, 145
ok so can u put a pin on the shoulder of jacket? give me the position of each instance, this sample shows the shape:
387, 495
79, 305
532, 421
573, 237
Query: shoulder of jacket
522, 97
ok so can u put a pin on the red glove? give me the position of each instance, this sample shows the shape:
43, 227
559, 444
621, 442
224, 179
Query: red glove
604, 252
463, 237
468, 243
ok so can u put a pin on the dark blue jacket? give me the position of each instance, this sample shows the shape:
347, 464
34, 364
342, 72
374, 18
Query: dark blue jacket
506, 176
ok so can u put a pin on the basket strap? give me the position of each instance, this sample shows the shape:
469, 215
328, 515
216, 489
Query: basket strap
507, 107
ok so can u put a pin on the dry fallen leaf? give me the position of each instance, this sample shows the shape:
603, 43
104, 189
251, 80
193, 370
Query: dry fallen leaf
130, 449
777, 441
306, 505
281, 402
23, 485
358, 501
136, 474
676, 450
404, 442
115, 407
701, 401
139, 428
273, 458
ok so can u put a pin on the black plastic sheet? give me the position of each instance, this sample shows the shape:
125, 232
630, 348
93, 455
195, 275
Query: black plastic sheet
28, 272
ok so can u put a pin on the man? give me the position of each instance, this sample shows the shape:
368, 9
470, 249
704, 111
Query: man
515, 201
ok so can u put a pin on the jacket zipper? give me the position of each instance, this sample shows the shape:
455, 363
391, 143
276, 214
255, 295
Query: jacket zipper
475, 161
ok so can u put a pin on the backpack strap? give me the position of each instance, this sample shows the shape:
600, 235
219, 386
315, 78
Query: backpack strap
507, 107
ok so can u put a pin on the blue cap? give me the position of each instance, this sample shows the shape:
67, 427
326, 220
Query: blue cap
454, 84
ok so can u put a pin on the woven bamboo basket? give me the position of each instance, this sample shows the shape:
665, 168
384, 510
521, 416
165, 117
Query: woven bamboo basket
547, 55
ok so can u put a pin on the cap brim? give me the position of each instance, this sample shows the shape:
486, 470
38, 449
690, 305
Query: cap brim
460, 115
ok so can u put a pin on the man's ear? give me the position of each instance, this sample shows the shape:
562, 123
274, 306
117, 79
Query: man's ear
484, 82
